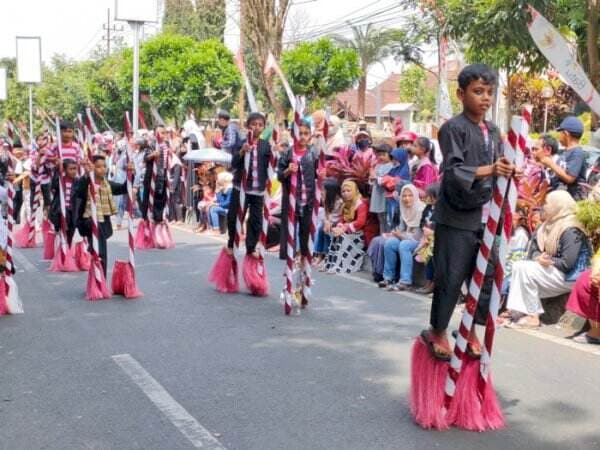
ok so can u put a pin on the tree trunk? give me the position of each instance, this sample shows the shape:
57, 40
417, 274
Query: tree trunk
592, 48
362, 95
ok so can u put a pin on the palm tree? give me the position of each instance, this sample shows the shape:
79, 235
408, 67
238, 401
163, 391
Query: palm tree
372, 46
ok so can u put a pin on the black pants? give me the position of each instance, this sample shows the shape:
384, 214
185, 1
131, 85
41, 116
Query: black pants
454, 257
104, 229
254, 204
160, 200
46, 195
17, 204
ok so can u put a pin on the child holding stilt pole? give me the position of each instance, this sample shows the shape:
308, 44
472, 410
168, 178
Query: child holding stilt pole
474, 167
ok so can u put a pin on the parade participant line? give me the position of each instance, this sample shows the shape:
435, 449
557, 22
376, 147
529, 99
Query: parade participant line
199, 436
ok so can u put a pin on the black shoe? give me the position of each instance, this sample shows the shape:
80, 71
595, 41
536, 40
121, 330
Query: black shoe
384, 283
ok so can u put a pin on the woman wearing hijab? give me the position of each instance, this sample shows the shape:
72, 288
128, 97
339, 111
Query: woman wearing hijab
398, 174
348, 246
404, 240
559, 253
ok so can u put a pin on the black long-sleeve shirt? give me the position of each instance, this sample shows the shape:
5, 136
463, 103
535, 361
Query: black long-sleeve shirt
465, 149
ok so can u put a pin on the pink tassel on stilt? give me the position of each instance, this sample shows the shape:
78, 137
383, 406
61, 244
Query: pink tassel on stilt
469, 410
255, 277
123, 280
96, 283
83, 258
224, 274
428, 378
49, 238
63, 262
144, 237
23, 236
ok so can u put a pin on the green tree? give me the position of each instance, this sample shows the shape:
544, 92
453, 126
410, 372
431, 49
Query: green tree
200, 19
181, 73
320, 69
372, 45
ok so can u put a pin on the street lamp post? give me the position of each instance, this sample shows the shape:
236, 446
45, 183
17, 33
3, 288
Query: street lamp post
547, 94
136, 13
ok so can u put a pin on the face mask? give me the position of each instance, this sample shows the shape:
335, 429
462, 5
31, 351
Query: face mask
363, 144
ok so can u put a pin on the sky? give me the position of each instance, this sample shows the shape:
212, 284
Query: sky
74, 27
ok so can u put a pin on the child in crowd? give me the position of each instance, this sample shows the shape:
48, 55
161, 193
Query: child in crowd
424, 252
332, 209
397, 176
382, 168
208, 200
222, 201
427, 172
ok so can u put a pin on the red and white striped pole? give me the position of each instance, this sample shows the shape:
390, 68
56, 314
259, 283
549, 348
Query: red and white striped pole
37, 198
96, 286
514, 151
10, 222
477, 280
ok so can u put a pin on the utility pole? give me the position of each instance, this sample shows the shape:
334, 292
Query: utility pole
241, 99
108, 28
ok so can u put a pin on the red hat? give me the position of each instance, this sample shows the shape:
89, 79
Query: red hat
406, 136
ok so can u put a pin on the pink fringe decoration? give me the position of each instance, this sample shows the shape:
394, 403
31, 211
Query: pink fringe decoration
255, 276
428, 379
144, 237
49, 238
83, 258
123, 280
162, 236
3, 297
467, 410
63, 263
96, 290
224, 274
22, 236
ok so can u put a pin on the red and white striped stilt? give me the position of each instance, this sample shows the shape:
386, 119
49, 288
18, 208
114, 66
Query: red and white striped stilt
123, 275
26, 236
10, 303
504, 201
96, 284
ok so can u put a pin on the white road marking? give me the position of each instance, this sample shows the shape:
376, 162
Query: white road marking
590, 349
23, 261
199, 436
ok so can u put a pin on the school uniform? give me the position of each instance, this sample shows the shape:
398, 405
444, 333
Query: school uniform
161, 184
54, 213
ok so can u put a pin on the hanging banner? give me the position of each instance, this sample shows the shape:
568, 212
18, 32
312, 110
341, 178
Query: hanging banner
556, 50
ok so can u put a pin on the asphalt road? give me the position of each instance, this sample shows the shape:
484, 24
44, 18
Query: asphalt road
197, 368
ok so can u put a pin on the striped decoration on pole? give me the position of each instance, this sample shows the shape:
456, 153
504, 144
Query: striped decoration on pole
241, 211
63, 258
490, 417
37, 200
10, 222
123, 275
288, 293
96, 284
514, 151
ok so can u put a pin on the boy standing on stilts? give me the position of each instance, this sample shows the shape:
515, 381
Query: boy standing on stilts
473, 162
250, 166
69, 179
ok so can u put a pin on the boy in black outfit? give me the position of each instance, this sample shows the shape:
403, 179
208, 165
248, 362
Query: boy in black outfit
70, 179
473, 158
256, 179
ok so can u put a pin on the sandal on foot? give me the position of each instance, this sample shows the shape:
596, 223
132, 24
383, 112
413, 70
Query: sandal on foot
584, 338
442, 353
